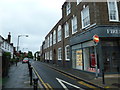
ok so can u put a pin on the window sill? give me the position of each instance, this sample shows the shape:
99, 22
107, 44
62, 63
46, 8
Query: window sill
85, 26
114, 21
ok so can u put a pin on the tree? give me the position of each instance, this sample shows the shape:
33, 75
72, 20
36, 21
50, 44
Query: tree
30, 55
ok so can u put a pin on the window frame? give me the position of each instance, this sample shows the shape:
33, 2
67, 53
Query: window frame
51, 39
60, 54
68, 8
50, 54
54, 37
116, 9
74, 24
66, 53
59, 35
84, 26
66, 28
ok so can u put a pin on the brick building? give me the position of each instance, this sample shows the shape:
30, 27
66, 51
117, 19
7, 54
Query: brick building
70, 42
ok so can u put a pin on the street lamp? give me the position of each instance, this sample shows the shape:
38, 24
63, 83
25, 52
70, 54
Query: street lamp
18, 41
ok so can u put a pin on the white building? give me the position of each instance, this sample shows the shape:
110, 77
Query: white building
6, 46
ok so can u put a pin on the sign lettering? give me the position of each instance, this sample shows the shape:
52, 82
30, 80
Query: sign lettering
113, 31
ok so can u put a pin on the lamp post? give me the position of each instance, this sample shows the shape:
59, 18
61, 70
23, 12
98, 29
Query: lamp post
18, 41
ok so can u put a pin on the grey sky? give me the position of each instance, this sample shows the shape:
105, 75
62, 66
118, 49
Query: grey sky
32, 17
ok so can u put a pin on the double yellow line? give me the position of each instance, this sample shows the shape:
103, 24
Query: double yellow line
46, 85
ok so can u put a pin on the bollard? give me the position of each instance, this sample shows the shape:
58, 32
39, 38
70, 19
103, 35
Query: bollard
103, 78
30, 72
35, 83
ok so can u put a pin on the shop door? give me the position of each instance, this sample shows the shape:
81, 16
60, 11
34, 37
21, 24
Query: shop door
111, 56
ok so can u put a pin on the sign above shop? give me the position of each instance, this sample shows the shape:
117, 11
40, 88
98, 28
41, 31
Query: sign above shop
96, 38
113, 31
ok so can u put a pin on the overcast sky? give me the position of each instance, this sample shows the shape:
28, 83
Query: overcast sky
29, 17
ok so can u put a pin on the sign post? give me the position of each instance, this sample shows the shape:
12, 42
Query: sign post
96, 40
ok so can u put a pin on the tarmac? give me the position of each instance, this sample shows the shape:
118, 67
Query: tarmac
18, 77
111, 81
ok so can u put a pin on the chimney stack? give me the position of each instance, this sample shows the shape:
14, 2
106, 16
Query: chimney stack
9, 37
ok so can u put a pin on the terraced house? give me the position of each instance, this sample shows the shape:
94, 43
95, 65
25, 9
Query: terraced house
70, 42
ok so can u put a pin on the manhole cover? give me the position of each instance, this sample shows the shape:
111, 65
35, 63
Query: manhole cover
116, 84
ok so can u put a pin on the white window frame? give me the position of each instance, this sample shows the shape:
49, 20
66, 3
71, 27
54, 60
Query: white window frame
50, 54
59, 33
59, 53
45, 55
66, 28
54, 37
68, 8
78, 1
48, 41
74, 24
51, 39
83, 12
116, 9
67, 59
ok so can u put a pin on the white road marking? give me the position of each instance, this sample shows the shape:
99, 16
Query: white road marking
62, 81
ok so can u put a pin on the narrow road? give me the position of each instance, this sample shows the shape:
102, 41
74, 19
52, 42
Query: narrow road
57, 80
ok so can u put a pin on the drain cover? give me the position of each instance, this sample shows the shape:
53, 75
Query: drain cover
116, 84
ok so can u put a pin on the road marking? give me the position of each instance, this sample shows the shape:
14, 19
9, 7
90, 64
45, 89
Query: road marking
49, 86
85, 84
40, 78
62, 81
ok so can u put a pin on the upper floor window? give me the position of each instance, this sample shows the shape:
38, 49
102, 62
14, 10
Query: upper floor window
48, 41
59, 33
113, 10
54, 37
68, 8
51, 39
59, 53
85, 17
67, 52
66, 30
74, 24
78, 1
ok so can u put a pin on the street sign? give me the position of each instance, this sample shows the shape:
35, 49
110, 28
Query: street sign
96, 38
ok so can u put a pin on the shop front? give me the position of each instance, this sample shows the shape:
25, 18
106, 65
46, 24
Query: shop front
107, 50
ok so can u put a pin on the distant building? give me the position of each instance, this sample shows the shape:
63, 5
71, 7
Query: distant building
70, 42
6, 46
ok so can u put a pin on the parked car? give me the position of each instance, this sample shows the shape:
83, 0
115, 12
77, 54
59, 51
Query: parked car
25, 60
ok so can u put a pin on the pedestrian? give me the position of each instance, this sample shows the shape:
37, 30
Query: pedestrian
17, 60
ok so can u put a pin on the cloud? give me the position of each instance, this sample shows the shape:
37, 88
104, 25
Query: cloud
33, 17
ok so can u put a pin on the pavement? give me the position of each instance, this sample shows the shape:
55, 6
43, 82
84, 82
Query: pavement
18, 77
112, 81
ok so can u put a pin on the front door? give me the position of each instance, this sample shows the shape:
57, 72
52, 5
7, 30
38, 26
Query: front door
111, 56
